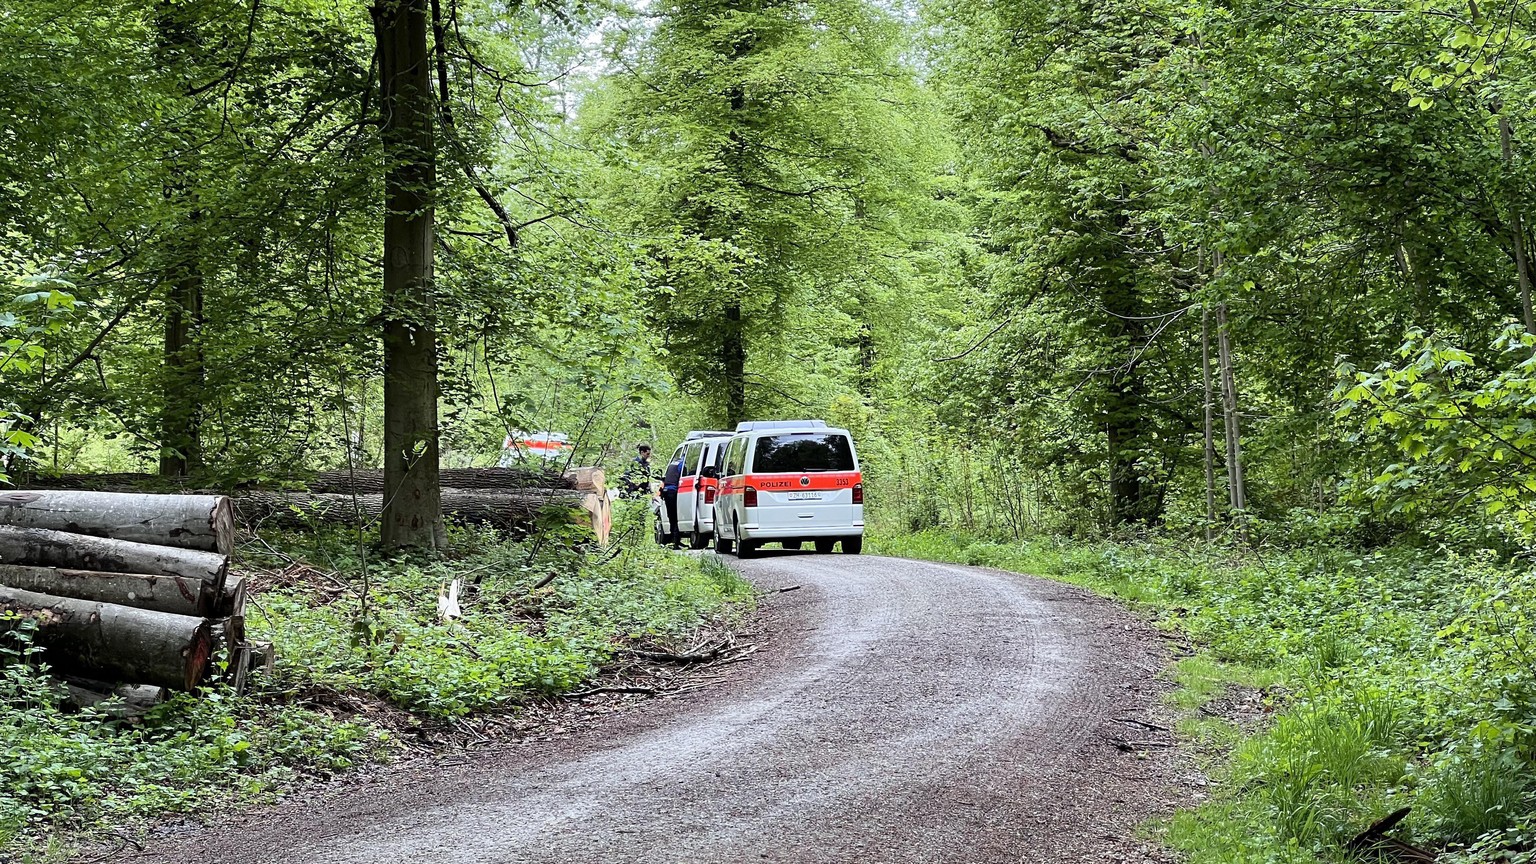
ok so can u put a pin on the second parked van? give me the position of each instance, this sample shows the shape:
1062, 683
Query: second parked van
696, 488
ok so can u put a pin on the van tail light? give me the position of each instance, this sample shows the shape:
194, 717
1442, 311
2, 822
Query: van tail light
749, 496
709, 494
858, 493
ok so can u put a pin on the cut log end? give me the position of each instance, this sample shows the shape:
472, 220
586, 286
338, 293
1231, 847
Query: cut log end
223, 526
199, 657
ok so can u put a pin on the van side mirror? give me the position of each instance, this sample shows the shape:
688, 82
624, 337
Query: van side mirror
710, 471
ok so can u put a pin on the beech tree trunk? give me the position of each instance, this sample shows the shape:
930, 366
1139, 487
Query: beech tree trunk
116, 482
176, 595
1522, 263
451, 478
1210, 426
412, 504
104, 640
1238, 492
499, 509
177, 48
587, 479
43, 548
205, 522
733, 363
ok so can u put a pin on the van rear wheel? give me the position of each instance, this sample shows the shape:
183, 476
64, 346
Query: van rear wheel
825, 547
698, 540
744, 548
853, 545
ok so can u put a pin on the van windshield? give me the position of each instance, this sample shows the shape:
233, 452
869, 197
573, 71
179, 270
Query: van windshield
802, 452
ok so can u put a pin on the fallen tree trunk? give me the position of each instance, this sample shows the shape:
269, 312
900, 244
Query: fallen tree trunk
176, 595
204, 522
44, 548
499, 509
345, 482
120, 482
105, 640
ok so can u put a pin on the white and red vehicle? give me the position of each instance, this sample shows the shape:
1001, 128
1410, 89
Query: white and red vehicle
522, 447
789, 482
696, 489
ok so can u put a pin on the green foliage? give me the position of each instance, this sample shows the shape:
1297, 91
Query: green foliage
1131, 166
1451, 428
773, 171
512, 642
27, 324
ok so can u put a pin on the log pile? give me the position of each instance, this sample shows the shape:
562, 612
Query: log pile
129, 593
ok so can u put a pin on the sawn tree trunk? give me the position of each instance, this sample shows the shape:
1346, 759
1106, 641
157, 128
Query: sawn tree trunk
499, 509
205, 522
118, 643
43, 548
176, 595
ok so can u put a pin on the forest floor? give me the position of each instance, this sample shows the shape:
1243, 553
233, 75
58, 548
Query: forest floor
895, 711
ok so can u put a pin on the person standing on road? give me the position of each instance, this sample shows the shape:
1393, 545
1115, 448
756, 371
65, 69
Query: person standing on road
637, 478
669, 483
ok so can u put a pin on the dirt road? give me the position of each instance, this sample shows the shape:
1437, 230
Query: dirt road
898, 712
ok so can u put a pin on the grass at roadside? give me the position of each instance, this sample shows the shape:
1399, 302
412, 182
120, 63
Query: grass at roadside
1409, 680
63, 773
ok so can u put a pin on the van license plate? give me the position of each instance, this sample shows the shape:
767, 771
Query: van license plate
805, 496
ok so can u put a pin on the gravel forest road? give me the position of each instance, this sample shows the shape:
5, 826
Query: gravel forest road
897, 711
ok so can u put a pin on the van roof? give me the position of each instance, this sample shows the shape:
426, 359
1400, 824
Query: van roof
756, 425
705, 433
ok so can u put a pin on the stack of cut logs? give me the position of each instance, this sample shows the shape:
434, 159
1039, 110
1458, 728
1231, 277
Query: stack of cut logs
129, 593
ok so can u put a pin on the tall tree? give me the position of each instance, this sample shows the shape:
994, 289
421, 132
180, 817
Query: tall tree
1088, 291
178, 51
413, 494
752, 135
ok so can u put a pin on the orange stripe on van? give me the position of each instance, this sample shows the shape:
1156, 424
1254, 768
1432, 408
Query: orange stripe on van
820, 481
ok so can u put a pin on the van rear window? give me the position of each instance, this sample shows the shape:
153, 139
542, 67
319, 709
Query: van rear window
802, 452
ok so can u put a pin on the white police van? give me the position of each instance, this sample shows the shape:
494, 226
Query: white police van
789, 482
696, 489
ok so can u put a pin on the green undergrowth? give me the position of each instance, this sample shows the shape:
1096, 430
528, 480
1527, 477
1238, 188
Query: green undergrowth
348, 672
1398, 678
513, 640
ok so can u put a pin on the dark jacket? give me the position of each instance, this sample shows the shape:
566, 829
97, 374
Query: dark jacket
674, 475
